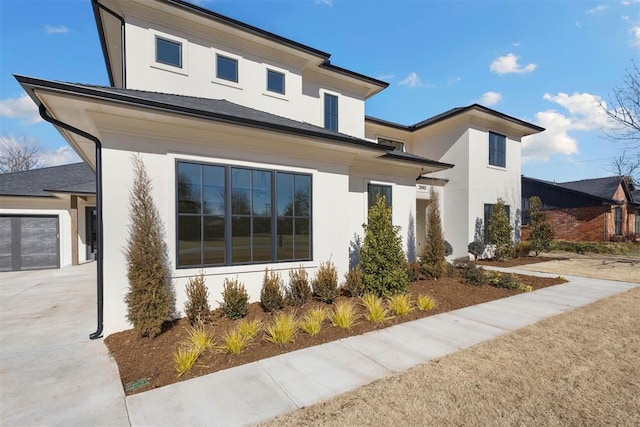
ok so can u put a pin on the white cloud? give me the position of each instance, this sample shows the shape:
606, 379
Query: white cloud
490, 98
509, 64
516, 44
56, 30
583, 113
325, 2
412, 80
385, 76
454, 81
629, 2
60, 156
635, 32
22, 107
598, 8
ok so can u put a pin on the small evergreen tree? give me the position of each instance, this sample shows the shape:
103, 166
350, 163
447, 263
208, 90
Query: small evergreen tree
150, 299
197, 305
382, 260
271, 295
432, 257
540, 231
500, 230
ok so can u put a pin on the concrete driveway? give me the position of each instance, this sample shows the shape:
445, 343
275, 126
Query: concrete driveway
50, 372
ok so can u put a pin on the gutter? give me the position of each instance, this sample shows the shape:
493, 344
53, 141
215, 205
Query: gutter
103, 41
99, 232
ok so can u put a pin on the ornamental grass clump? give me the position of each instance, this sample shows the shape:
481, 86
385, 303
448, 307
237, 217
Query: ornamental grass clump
235, 299
200, 338
184, 358
249, 328
271, 296
233, 341
425, 303
197, 307
401, 304
299, 291
344, 315
353, 285
312, 322
283, 329
325, 283
374, 308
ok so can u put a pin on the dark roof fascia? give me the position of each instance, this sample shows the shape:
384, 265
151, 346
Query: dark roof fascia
430, 180
25, 196
353, 74
103, 40
417, 160
387, 123
569, 190
88, 193
30, 84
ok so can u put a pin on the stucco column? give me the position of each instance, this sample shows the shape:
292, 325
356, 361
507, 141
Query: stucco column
74, 230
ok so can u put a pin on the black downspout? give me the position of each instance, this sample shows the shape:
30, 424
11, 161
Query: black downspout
99, 5
99, 235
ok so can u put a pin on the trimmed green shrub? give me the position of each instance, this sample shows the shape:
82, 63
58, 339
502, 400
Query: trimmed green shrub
382, 260
271, 296
432, 256
196, 308
523, 249
540, 231
414, 271
500, 230
150, 299
299, 291
476, 248
472, 274
503, 280
235, 299
352, 285
325, 283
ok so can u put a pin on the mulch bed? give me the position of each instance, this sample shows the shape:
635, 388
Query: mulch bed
149, 361
515, 262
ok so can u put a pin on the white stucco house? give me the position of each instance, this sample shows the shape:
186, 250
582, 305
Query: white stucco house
259, 149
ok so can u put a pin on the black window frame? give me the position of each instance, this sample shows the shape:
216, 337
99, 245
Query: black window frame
371, 196
229, 215
331, 112
497, 150
488, 214
271, 72
617, 221
236, 77
169, 42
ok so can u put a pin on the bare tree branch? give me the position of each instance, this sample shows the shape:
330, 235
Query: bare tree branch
627, 165
19, 154
623, 108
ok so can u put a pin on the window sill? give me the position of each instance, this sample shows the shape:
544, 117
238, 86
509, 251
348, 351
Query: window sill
227, 83
170, 68
242, 268
276, 95
500, 168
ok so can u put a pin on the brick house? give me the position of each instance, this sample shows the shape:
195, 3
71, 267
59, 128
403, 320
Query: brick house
600, 209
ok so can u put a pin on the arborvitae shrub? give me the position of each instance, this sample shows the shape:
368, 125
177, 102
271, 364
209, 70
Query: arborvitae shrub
325, 283
432, 257
150, 299
235, 299
382, 260
299, 291
500, 230
271, 296
353, 285
197, 305
540, 231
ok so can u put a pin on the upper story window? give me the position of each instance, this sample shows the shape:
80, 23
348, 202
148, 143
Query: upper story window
168, 52
227, 68
275, 82
376, 190
396, 145
330, 112
497, 150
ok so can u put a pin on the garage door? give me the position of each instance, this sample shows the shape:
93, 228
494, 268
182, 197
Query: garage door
29, 242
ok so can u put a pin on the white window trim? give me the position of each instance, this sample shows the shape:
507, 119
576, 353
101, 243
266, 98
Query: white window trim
336, 94
266, 92
214, 65
166, 67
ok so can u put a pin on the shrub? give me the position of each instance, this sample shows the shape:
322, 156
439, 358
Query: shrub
249, 328
344, 315
197, 305
414, 271
184, 358
432, 256
299, 291
540, 231
400, 304
425, 303
311, 323
374, 308
503, 280
233, 341
234, 299
353, 285
526, 288
448, 249
200, 339
476, 248
325, 283
283, 329
150, 299
473, 275
271, 296
522, 249
382, 258
500, 230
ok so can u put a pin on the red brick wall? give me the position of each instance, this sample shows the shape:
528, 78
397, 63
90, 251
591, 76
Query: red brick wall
577, 224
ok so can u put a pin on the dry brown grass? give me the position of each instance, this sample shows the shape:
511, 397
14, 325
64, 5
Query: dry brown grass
575, 369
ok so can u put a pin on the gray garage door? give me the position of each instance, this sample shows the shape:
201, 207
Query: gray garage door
29, 242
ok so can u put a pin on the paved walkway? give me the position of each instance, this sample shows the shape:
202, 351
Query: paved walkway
51, 374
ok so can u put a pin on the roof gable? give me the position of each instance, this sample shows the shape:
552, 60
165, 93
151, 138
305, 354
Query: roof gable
73, 178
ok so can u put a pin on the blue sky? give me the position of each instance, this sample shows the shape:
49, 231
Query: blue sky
547, 62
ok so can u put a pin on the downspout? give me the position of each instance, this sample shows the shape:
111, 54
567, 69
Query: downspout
99, 5
99, 232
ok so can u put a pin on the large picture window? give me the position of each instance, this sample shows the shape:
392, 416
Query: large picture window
497, 150
232, 215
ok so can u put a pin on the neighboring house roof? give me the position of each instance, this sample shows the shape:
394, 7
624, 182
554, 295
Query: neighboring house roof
601, 187
213, 109
452, 113
77, 178
635, 195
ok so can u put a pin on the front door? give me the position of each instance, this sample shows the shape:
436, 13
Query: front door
92, 244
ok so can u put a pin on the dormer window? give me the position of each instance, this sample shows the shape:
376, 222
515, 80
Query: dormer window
275, 82
396, 145
226, 68
168, 52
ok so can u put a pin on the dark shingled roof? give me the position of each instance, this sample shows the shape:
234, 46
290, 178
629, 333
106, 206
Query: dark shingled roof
635, 195
77, 178
604, 188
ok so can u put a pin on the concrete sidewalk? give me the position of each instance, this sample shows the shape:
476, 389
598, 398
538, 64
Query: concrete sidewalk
259, 391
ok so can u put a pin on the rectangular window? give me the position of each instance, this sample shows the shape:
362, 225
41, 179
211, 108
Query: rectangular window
168, 52
618, 221
396, 145
497, 150
376, 190
275, 81
331, 112
488, 214
226, 68
231, 215
637, 222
